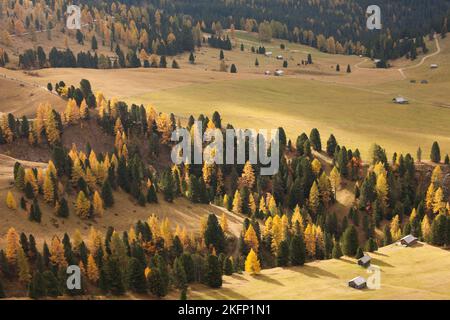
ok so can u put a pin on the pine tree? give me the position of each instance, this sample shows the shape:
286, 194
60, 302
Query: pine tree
115, 276
297, 250
214, 235
136, 276
350, 241
62, 208
252, 265
439, 230
435, 155
387, 236
107, 195
228, 267
359, 253
23, 267
233, 68
35, 212
214, 272
37, 288
180, 274
337, 252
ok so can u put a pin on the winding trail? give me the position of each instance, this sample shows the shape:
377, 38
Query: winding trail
438, 47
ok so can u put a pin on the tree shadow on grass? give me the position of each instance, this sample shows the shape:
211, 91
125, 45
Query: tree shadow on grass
378, 254
314, 272
238, 277
347, 261
267, 279
380, 263
226, 294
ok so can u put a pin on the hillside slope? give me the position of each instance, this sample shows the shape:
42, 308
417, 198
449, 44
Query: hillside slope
420, 272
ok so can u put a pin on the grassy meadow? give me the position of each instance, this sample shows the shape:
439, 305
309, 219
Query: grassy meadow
421, 272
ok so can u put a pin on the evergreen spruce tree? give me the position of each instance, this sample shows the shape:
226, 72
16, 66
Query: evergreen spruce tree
435, 155
359, 253
107, 194
337, 252
387, 237
214, 235
136, 278
297, 250
350, 241
62, 209
37, 286
228, 267
214, 272
283, 254
115, 277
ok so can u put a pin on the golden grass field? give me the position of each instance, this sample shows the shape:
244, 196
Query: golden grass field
356, 107
420, 272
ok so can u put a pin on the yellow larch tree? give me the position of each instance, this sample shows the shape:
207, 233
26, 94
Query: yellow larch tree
325, 189
163, 127
92, 269
335, 179
48, 188
426, 228
224, 223
237, 202
98, 205
251, 238
277, 233
316, 167
429, 198
382, 190
262, 206
314, 198
310, 240
166, 232
11, 201
272, 204
248, 176
252, 265
82, 205
57, 257
12, 245
396, 231
438, 201
297, 217
251, 203
436, 176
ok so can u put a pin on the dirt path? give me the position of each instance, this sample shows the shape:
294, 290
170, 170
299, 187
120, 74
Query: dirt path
438, 50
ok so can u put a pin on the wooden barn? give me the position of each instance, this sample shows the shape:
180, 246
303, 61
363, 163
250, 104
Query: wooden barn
408, 240
364, 261
358, 283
